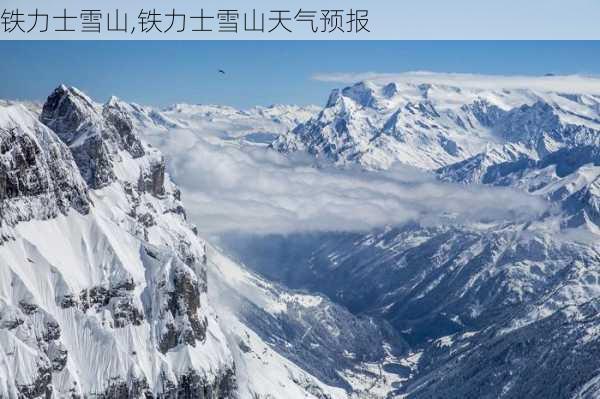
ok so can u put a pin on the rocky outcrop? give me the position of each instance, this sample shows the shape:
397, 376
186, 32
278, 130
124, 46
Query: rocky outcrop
75, 119
94, 133
117, 118
40, 343
152, 179
555, 357
177, 296
118, 300
37, 179
189, 385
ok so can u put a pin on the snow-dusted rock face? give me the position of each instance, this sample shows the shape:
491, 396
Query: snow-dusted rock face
431, 282
555, 357
487, 308
435, 125
104, 290
37, 174
95, 135
256, 126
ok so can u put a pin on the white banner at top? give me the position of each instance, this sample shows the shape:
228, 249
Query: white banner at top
299, 19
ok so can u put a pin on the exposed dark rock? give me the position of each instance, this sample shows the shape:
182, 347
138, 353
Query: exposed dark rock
41, 386
94, 162
169, 338
189, 386
11, 323
28, 308
118, 299
184, 301
57, 354
66, 111
178, 210
67, 301
147, 219
194, 386
21, 175
186, 254
244, 347
124, 312
52, 331
153, 180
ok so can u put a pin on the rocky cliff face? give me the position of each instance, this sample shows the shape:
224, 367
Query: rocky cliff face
104, 287
37, 174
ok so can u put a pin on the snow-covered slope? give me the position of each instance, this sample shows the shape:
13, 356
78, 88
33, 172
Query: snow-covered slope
431, 125
485, 305
296, 344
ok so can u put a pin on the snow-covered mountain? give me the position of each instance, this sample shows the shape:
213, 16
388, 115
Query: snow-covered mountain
489, 309
104, 282
108, 292
431, 125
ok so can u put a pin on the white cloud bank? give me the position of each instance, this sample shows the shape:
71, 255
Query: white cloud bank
563, 84
228, 188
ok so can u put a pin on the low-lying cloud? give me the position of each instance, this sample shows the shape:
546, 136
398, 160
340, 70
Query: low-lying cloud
232, 188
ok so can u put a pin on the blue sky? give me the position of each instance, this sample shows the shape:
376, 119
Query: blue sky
261, 73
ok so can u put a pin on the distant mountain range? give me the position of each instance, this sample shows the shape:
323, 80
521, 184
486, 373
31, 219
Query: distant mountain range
435, 125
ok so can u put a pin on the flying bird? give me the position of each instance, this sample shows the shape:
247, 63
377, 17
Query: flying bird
222, 71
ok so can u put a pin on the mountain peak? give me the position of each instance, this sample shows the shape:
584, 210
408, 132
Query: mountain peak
113, 101
96, 134
72, 91
363, 93
125, 265
421, 120
390, 90
66, 109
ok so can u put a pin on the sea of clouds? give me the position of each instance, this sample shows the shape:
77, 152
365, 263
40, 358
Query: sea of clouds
231, 187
